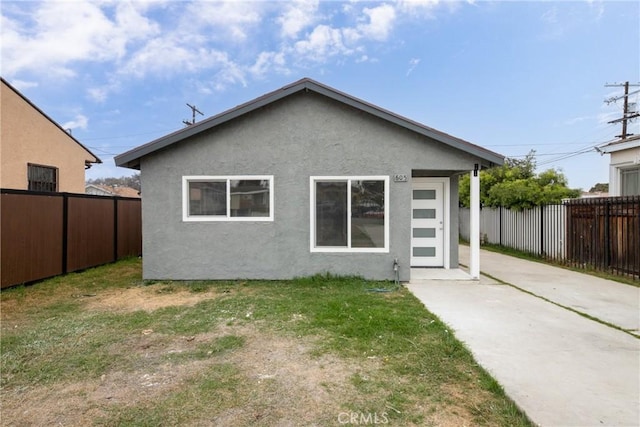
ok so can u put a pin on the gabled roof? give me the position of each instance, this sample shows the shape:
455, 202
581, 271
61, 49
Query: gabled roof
35, 107
131, 159
620, 144
113, 190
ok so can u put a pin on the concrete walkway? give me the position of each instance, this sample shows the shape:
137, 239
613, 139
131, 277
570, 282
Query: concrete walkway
609, 301
561, 368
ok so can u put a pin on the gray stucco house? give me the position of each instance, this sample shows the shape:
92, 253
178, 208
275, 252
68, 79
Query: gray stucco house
303, 180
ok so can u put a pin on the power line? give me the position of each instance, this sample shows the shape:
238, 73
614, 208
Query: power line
585, 150
127, 136
102, 150
567, 155
548, 154
594, 138
194, 110
537, 144
626, 114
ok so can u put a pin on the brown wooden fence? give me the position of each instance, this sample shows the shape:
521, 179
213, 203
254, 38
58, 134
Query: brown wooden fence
604, 233
46, 234
600, 233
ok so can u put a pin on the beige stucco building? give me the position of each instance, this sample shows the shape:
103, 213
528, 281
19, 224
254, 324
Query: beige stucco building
36, 153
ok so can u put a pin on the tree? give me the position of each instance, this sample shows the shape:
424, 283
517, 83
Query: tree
600, 187
132, 181
515, 185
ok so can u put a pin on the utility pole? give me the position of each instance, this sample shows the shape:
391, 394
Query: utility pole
194, 110
626, 114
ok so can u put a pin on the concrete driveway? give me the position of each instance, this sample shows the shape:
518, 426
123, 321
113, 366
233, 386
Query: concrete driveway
560, 367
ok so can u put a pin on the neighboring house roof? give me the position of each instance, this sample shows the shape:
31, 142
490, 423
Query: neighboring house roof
35, 107
621, 144
108, 190
131, 158
590, 195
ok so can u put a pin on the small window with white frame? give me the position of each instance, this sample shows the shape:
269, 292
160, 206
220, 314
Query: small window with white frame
349, 214
227, 198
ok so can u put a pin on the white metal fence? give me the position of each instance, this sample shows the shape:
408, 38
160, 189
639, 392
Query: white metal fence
539, 231
599, 233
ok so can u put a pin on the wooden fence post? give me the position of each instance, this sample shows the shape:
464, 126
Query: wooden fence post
607, 233
65, 230
115, 229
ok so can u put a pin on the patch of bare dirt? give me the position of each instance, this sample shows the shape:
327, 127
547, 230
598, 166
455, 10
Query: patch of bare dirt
457, 403
294, 388
282, 383
80, 403
286, 385
147, 298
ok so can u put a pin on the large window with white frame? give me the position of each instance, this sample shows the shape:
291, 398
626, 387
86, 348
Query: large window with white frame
227, 198
630, 181
349, 214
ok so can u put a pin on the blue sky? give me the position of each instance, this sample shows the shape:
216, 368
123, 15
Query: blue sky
509, 76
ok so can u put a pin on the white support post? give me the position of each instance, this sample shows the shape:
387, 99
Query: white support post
474, 226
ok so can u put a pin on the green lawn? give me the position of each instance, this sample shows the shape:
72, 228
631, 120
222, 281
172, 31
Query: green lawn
103, 347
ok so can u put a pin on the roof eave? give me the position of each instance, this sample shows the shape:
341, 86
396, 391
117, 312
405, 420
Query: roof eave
491, 157
34, 106
620, 145
131, 158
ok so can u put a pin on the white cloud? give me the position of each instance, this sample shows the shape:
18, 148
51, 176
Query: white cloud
223, 20
413, 63
98, 94
268, 61
220, 43
419, 8
80, 121
22, 84
169, 56
231, 74
597, 8
132, 24
191, 44
298, 15
161, 56
605, 117
351, 36
558, 21
326, 41
550, 16
323, 42
58, 34
576, 120
380, 23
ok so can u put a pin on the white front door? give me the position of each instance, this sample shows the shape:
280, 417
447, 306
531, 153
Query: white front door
427, 223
